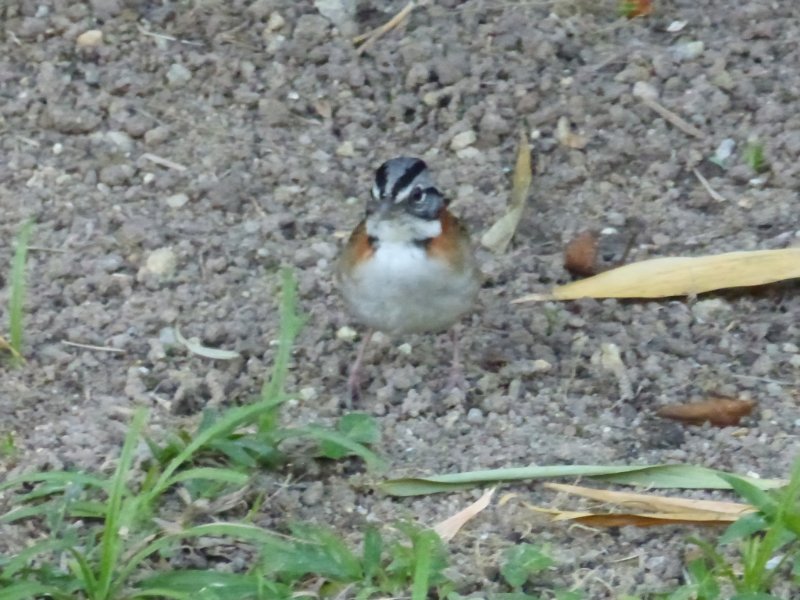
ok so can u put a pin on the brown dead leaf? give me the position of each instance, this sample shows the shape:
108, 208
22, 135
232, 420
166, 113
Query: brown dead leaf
623, 519
720, 411
681, 276
448, 528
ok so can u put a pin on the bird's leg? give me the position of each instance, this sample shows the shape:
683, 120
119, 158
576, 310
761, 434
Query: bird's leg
456, 379
354, 379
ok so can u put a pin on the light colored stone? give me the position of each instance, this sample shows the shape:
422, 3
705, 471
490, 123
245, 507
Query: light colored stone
90, 38
346, 149
463, 139
177, 75
177, 200
161, 262
347, 334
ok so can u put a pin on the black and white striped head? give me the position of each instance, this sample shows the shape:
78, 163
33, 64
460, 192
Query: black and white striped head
404, 184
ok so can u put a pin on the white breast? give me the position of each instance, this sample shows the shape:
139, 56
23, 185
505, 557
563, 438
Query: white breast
401, 290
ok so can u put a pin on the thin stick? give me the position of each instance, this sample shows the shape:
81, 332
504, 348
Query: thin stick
711, 191
673, 118
371, 37
164, 162
169, 38
92, 347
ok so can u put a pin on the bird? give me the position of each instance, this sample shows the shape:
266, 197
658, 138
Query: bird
408, 266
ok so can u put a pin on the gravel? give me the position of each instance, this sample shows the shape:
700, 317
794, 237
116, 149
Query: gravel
266, 125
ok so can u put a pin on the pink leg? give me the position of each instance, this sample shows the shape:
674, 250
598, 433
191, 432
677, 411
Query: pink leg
457, 379
354, 379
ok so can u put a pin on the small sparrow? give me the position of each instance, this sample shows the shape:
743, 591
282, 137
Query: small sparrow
408, 266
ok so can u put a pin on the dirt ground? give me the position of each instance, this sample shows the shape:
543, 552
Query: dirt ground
173, 168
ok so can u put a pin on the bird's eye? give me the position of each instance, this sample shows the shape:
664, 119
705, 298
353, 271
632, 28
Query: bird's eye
416, 195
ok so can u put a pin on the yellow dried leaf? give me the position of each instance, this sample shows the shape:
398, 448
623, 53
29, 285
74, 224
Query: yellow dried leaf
448, 528
682, 276
499, 235
650, 502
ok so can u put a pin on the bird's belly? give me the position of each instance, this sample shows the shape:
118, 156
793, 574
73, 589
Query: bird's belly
402, 290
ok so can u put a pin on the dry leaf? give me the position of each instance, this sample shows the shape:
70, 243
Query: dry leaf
720, 411
499, 235
682, 276
639, 520
567, 137
646, 510
650, 502
448, 528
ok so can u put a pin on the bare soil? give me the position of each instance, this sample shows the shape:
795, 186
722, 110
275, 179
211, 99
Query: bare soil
266, 127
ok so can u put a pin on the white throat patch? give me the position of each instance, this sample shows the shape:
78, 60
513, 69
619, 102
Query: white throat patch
404, 228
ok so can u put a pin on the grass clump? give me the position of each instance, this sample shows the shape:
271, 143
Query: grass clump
754, 553
103, 533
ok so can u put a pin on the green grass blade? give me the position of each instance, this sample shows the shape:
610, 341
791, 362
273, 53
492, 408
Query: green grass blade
373, 549
232, 419
237, 531
64, 478
424, 545
321, 434
110, 543
291, 323
28, 590
650, 476
12, 565
83, 573
211, 474
225, 585
16, 301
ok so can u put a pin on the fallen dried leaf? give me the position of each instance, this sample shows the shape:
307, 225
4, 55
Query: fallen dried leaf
681, 276
720, 411
448, 528
666, 504
499, 235
647, 510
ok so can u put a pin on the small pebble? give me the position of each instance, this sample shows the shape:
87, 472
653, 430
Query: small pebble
161, 262
275, 22
177, 75
463, 139
347, 334
346, 149
642, 89
475, 416
177, 200
308, 393
688, 50
90, 38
